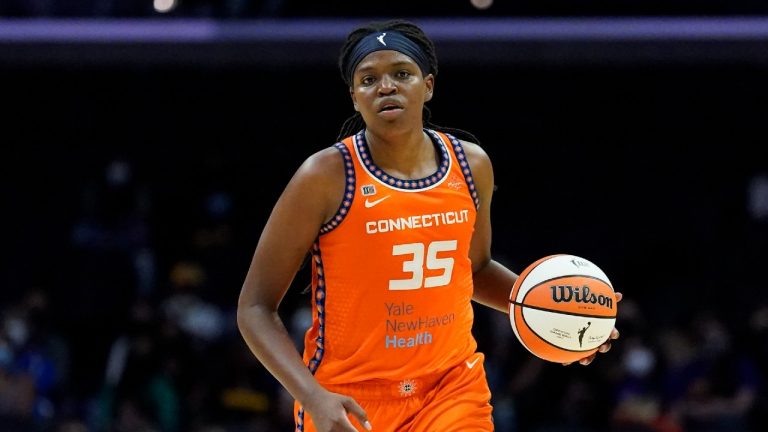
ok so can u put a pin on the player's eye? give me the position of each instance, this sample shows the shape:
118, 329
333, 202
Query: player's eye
403, 74
367, 80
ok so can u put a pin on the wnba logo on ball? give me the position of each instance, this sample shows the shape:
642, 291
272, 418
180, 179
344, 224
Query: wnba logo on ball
579, 263
568, 293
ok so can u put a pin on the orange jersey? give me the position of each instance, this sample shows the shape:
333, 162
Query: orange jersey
392, 278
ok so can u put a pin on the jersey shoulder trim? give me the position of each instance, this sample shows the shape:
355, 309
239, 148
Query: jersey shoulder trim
349, 191
461, 157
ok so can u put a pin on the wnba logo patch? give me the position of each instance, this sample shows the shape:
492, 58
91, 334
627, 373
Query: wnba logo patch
368, 190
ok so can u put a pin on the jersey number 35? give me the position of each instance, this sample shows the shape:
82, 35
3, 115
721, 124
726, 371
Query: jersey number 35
416, 265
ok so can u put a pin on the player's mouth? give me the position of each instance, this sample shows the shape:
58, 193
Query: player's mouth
389, 107
390, 111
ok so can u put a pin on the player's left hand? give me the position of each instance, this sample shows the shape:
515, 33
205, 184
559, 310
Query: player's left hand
604, 347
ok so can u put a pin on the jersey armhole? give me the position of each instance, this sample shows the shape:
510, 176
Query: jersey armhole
458, 151
349, 191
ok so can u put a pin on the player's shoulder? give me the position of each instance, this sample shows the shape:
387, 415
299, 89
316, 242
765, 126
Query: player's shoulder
476, 156
473, 149
321, 180
324, 165
480, 164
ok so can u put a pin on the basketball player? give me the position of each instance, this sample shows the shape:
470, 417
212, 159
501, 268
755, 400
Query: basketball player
396, 217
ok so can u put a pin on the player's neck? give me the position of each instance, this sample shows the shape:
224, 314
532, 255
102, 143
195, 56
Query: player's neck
409, 154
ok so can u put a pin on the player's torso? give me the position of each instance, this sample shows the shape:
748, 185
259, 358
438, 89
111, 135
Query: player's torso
392, 276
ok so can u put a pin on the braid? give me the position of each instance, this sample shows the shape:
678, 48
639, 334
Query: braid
351, 126
458, 133
410, 30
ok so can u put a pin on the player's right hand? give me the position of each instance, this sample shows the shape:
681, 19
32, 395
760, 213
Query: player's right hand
330, 413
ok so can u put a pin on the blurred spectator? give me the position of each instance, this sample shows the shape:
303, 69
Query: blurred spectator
111, 241
212, 246
139, 392
34, 362
640, 406
721, 383
186, 308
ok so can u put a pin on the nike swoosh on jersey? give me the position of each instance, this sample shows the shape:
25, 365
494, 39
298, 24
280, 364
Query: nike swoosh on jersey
471, 365
369, 204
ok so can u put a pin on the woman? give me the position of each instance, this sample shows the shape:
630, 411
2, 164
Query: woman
397, 219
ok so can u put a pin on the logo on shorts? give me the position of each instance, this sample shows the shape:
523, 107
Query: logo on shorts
407, 387
472, 364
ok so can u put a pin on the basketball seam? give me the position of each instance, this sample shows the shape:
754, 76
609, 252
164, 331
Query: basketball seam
562, 312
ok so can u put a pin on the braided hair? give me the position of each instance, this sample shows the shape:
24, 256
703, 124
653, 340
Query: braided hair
355, 122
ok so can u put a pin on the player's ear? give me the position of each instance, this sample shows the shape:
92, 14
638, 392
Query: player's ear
429, 82
354, 99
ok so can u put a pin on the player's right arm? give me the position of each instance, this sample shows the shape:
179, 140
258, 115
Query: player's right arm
310, 199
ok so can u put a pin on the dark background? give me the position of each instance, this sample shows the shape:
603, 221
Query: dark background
134, 193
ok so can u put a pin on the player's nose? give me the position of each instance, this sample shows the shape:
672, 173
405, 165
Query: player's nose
387, 85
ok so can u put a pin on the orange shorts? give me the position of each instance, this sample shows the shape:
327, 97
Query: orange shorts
454, 401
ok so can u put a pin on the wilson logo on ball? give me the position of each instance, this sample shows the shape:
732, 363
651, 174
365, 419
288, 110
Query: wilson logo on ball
568, 293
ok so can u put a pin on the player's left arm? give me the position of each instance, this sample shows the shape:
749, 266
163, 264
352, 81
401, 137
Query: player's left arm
493, 282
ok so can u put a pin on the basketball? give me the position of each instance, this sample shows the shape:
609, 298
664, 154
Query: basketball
562, 308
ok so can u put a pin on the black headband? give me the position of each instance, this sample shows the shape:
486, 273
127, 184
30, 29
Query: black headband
388, 40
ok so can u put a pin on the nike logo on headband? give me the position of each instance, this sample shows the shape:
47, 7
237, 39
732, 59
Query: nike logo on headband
381, 39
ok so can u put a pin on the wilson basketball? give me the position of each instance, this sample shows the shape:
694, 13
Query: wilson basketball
562, 308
